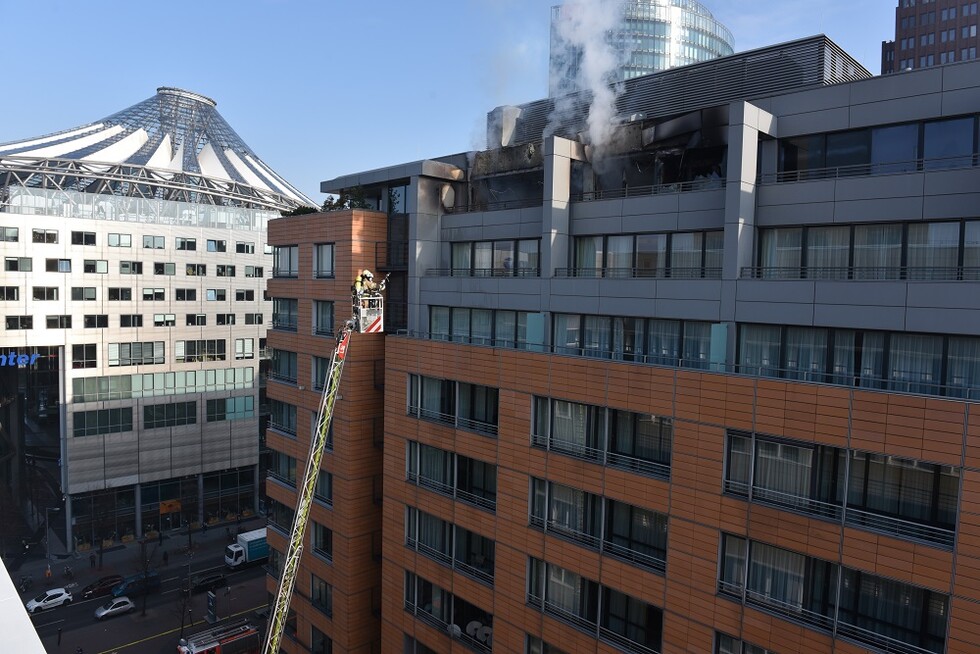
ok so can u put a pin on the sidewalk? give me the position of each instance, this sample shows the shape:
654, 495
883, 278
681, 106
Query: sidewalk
125, 559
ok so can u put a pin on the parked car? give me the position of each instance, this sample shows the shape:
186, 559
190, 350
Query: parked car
48, 600
101, 587
137, 584
115, 606
205, 583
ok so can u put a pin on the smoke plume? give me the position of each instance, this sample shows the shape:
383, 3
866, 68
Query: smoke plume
583, 59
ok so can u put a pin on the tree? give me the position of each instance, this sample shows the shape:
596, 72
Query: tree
300, 211
348, 199
147, 555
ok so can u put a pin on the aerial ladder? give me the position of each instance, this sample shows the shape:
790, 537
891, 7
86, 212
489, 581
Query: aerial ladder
367, 316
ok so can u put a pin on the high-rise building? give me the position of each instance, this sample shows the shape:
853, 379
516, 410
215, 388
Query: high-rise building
931, 34
717, 393
650, 36
135, 264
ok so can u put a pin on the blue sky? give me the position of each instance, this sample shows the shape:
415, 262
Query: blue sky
320, 89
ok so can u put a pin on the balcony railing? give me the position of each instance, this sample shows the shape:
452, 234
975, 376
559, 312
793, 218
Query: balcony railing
699, 272
496, 206
477, 500
878, 641
488, 428
282, 378
602, 457
291, 273
283, 429
865, 273
869, 169
791, 611
282, 479
480, 573
284, 324
323, 274
483, 272
657, 564
654, 189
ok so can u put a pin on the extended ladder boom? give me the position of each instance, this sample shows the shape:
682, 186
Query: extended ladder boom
277, 619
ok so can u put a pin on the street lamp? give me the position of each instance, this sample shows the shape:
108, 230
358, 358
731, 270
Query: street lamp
47, 530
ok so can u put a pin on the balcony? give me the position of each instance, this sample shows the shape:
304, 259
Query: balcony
653, 189
284, 324
483, 272
860, 273
496, 206
871, 169
640, 273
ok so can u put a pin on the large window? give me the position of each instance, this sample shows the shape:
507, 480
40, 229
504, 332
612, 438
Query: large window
231, 408
440, 608
284, 366
285, 313
901, 497
137, 354
497, 327
466, 479
102, 421
859, 606
496, 258
622, 439
450, 544
468, 406
84, 356
677, 254
286, 261
201, 350
322, 541
172, 414
323, 260
322, 318
282, 467
912, 363
612, 616
282, 417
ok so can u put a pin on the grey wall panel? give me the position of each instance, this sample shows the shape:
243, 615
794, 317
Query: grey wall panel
964, 101
442, 299
811, 213
596, 225
624, 306
596, 209
961, 295
808, 102
664, 222
879, 187
760, 290
707, 219
713, 199
154, 455
910, 108
572, 303
434, 284
778, 313
944, 321
900, 86
686, 310
689, 289
122, 458
857, 293
796, 193
941, 182
829, 120
652, 204
881, 210
939, 207
859, 317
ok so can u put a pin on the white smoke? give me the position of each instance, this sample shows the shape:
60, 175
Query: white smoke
583, 57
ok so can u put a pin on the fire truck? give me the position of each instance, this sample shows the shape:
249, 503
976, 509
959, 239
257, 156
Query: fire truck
234, 638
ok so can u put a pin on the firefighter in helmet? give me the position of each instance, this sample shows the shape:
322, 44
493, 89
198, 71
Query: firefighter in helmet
364, 283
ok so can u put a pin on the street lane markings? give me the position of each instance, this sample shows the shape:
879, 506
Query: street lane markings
119, 648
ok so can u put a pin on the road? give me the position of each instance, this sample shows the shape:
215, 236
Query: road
159, 629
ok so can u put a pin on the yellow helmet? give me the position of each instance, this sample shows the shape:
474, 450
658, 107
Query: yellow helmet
367, 274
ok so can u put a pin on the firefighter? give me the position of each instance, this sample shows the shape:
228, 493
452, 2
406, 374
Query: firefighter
364, 283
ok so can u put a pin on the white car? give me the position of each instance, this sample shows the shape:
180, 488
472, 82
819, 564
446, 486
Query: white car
115, 606
48, 600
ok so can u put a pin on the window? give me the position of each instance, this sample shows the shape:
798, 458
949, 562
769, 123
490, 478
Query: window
83, 356
20, 322
83, 238
130, 268
196, 269
321, 593
131, 320
216, 245
173, 414
44, 236
284, 366
534, 645
466, 479
284, 313
186, 294
164, 319
728, 645
9, 234
320, 643
439, 607
225, 271
286, 261
186, 244
11, 293
59, 322
197, 319
200, 350
82, 293
154, 294
282, 417
153, 242
244, 348
253, 319
120, 294
225, 319
98, 321
231, 408
283, 468
164, 268
322, 541
324, 488
254, 271
244, 295
322, 318
120, 240
45, 293
100, 266
57, 265
323, 260
103, 421
450, 544
243, 247
215, 294
137, 354
20, 264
